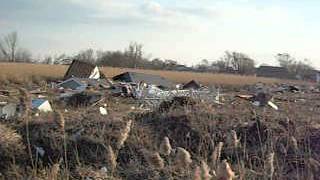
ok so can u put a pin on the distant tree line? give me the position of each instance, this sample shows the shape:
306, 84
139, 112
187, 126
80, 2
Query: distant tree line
297, 69
134, 57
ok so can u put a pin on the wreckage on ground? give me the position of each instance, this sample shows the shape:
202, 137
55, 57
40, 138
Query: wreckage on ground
82, 69
136, 78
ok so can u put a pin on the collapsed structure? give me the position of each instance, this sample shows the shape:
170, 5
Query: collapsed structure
82, 69
136, 78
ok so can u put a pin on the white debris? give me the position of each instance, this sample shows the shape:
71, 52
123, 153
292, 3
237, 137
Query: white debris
103, 111
40, 151
273, 105
104, 170
256, 103
41, 105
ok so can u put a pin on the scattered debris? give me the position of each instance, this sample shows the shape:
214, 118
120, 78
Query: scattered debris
83, 99
41, 105
40, 151
8, 110
103, 111
73, 84
141, 78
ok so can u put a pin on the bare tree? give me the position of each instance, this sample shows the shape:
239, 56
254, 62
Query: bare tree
296, 68
134, 53
87, 55
237, 63
23, 55
8, 46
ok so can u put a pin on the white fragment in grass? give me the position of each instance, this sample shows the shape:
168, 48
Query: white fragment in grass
103, 111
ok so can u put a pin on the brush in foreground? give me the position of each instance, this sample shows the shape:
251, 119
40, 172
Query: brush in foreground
205, 171
225, 172
293, 143
10, 141
60, 120
165, 147
314, 167
197, 173
183, 158
233, 140
54, 171
269, 165
26, 102
215, 157
153, 159
124, 134
111, 159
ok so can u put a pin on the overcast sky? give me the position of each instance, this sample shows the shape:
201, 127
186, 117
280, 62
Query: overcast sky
184, 30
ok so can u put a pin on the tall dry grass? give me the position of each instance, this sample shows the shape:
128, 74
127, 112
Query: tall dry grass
21, 72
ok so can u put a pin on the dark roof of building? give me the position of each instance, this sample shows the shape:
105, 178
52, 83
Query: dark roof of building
272, 71
79, 69
135, 77
272, 68
192, 85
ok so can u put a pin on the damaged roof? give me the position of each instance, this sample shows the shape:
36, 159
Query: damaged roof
81, 69
135, 77
193, 84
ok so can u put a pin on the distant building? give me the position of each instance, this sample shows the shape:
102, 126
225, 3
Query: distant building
136, 78
315, 76
80, 69
182, 68
273, 72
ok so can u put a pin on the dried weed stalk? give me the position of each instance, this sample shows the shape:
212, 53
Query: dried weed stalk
224, 171
153, 159
124, 134
165, 147
215, 156
183, 158
111, 158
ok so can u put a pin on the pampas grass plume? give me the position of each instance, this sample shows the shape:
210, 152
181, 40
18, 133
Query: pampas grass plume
111, 158
124, 134
269, 165
183, 158
205, 171
54, 171
165, 147
225, 172
153, 159
197, 173
60, 120
215, 157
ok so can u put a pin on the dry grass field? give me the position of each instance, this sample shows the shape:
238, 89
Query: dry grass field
183, 138
25, 72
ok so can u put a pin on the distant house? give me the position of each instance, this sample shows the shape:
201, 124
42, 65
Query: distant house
82, 69
136, 78
273, 72
317, 76
313, 76
192, 85
182, 68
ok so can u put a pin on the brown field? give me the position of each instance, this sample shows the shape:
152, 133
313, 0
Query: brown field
20, 72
